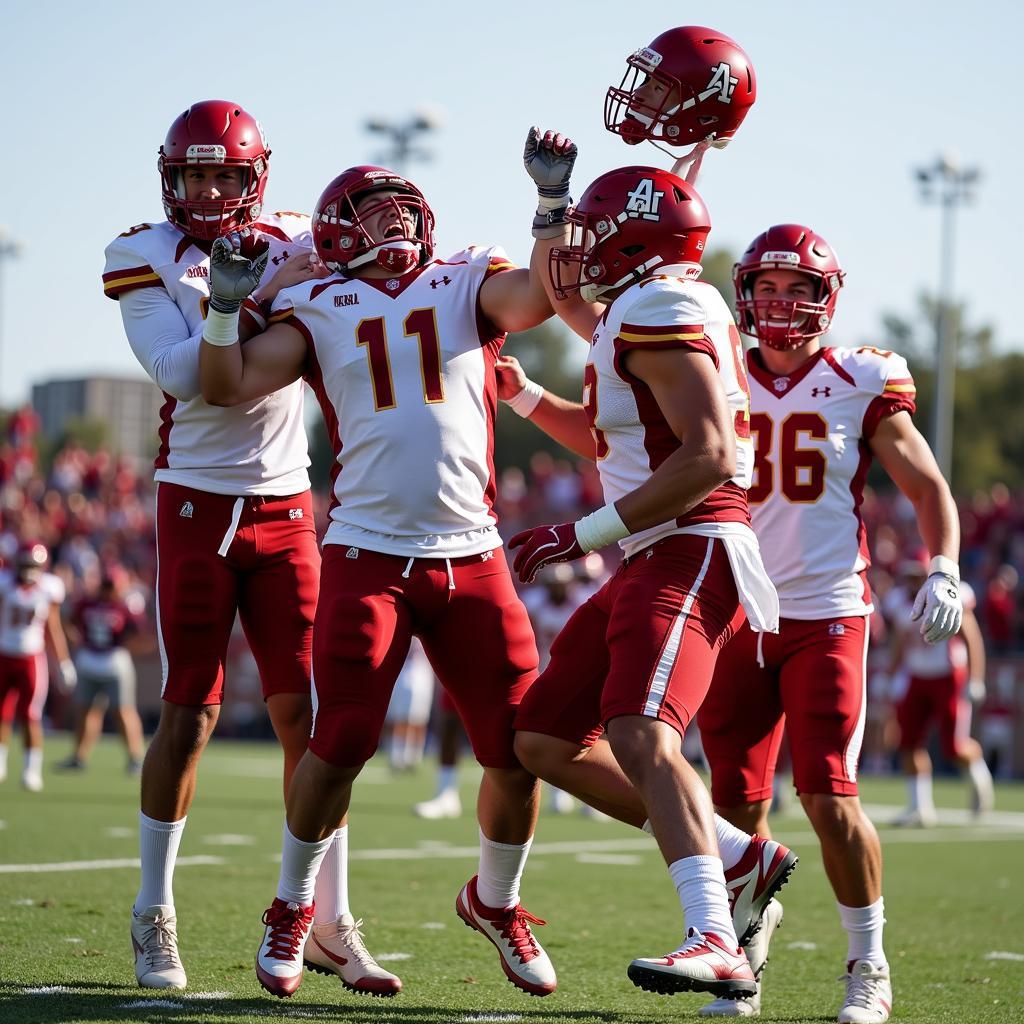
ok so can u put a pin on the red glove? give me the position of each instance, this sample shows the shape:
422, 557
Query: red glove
543, 545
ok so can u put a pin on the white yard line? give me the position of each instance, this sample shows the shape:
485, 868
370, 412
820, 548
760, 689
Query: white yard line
98, 865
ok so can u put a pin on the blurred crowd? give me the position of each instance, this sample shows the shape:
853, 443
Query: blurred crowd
94, 513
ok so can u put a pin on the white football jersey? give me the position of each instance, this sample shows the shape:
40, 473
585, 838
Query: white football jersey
23, 612
632, 436
404, 371
811, 432
162, 282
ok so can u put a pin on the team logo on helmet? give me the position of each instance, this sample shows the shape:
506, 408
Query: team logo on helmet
723, 81
644, 200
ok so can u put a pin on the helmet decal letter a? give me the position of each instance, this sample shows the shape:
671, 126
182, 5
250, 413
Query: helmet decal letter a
722, 81
643, 201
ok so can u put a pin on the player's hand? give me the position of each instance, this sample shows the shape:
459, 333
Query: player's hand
237, 262
977, 691
543, 545
939, 608
549, 160
298, 268
68, 675
510, 376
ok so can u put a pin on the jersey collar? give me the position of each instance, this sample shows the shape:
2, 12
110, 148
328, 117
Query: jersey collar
780, 384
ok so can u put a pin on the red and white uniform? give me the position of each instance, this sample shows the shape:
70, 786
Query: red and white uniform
811, 431
24, 609
104, 626
937, 684
674, 602
404, 371
235, 527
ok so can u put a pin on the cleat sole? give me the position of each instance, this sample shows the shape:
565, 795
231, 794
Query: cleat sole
668, 984
317, 969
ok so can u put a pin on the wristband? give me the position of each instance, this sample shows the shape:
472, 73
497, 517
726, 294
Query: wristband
550, 223
946, 566
524, 402
600, 528
220, 329
547, 203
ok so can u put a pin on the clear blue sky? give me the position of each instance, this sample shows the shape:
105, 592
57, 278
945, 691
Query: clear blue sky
851, 97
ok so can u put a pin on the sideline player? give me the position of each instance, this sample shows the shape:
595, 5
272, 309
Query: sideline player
818, 415
235, 529
945, 678
30, 600
665, 414
105, 626
400, 348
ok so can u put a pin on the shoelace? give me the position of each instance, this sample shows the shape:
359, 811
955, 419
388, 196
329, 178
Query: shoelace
161, 944
353, 938
517, 932
862, 989
288, 926
695, 941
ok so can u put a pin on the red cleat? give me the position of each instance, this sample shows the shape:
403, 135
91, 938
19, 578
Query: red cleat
279, 958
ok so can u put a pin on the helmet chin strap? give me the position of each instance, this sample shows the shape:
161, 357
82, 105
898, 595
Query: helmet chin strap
399, 257
688, 165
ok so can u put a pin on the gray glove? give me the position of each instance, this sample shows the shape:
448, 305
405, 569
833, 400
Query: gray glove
549, 160
234, 276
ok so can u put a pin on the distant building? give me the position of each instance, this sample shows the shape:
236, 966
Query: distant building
129, 405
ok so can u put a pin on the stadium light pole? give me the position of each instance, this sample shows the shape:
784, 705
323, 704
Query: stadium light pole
944, 181
10, 248
403, 136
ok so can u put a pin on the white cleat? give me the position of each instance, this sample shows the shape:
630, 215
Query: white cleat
757, 956
155, 942
868, 994
279, 958
702, 964
916, 818
523, 960
445, 805
32, 781
763, 869
337, 948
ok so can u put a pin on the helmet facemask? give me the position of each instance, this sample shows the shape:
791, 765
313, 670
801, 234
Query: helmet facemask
784, 323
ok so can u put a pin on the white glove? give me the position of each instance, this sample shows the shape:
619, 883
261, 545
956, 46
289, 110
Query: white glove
234, 276
939, 607
549, 159
976, 691
68, 675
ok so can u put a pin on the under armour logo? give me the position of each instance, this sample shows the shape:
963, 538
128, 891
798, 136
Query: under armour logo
722, 81
279, 259
486, 556
295, 513
780, 384
643, 202
186, 510
836, 629
444, 280
825, 391
352, 553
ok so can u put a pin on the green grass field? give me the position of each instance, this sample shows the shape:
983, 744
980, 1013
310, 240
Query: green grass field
954, 899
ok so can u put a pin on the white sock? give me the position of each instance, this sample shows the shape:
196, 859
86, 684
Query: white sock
158, 848
921, 799
700, 883
330, 889
864, 932
981, 782
299, 865
33, 760
733, 842
3, 758
501, 870
446, 779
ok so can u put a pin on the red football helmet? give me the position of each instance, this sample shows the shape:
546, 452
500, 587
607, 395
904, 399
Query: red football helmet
339, 233
30, 560
709, 87
787, 323
630, 224
219, 133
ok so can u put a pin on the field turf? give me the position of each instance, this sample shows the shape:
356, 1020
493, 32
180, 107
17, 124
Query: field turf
954, 902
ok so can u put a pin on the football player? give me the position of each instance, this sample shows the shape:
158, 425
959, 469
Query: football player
818, 416
945, 679
30, 600
235, 530
400, 348
664, 413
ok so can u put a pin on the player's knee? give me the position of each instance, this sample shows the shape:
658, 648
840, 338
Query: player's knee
838, 817
538, 754
185, 729
345, 737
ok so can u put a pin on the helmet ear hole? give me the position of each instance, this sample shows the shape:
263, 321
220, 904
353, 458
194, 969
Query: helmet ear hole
632, 250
